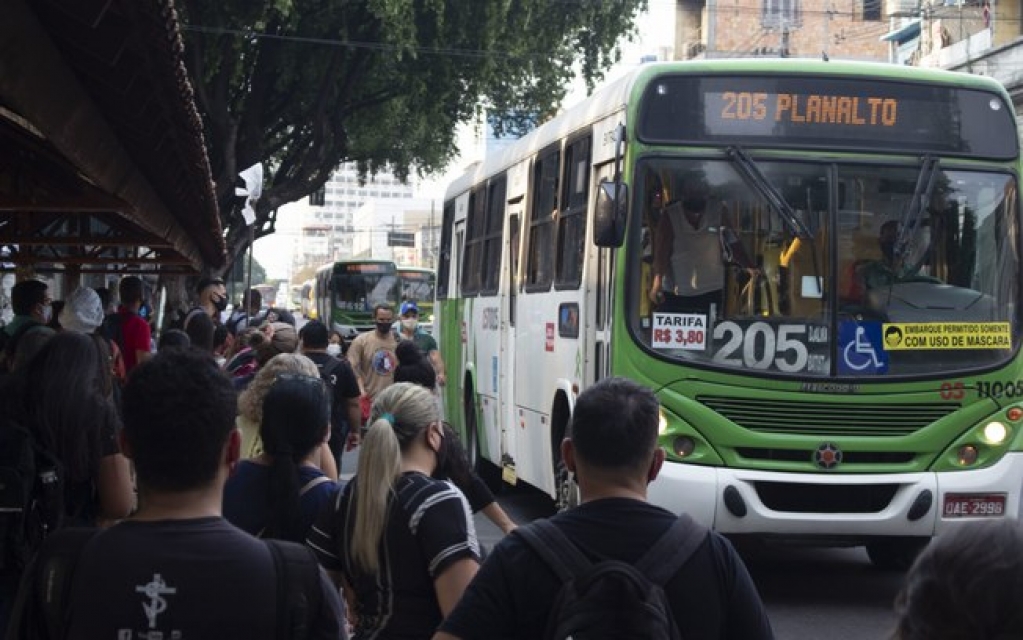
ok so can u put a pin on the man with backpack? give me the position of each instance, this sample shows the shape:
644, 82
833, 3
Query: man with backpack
129, 331
343, 386
615, 566
30, 301
177, 568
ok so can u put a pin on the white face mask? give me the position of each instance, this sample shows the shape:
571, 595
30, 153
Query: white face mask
334, 349
409, 324
47, 313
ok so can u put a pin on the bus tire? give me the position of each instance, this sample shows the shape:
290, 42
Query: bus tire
895, 553
486, 470
566, 491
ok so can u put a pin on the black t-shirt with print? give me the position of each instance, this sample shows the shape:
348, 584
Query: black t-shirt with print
712, 595
200, 578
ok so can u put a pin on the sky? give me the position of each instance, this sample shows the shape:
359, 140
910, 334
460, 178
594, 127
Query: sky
655, 31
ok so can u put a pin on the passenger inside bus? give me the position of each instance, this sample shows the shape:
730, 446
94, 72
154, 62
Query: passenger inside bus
693, 243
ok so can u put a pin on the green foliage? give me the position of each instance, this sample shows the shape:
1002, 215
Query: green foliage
303, 85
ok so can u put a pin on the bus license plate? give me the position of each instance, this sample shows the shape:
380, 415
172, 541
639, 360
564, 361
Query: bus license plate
970, 505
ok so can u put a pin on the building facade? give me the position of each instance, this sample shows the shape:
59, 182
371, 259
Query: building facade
848, 29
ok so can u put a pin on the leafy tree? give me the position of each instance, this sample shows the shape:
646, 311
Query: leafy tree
304, 85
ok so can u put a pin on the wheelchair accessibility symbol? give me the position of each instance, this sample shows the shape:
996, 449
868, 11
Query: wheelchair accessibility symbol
860, 344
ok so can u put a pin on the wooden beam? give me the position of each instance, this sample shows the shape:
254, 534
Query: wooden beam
92, 203
173, 260
89, 241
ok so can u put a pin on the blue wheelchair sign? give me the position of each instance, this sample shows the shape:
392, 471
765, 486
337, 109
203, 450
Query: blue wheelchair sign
860, 351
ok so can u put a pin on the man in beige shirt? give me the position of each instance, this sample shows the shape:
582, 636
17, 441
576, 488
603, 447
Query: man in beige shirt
372, 353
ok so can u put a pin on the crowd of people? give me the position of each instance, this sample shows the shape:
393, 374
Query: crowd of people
205, 470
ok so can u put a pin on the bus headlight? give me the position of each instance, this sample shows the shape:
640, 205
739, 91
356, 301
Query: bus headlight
967, 455
683, 446
662, 422
995, 433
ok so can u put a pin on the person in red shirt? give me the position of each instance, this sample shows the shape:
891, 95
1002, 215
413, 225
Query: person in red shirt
126, 327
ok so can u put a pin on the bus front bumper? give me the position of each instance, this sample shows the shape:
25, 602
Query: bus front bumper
834, 505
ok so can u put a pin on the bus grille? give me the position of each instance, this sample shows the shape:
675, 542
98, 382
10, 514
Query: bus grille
827, 419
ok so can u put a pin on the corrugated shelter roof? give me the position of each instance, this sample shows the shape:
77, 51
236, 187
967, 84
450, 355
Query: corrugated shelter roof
107, 145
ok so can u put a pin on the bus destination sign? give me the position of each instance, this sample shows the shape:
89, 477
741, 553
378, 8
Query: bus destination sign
794, 108
827, 112
370, 268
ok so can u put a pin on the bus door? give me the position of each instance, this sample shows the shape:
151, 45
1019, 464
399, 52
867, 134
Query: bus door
508, 418
597, 334
456, 261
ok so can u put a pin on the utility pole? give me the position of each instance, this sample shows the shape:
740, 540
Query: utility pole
828, 13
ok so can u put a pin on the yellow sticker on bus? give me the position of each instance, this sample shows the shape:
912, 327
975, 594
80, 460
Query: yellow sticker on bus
908, 336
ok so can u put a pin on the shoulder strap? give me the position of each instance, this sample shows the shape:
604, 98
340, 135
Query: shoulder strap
663, 560
298, 589
41, 606
11, 345
315, 482
555, 548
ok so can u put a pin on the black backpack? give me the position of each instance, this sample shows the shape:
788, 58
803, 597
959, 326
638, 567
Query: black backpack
113, 329
9, 343
31, 495
611, 598
328, 371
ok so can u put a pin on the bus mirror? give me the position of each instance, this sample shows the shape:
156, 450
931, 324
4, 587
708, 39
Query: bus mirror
611, 214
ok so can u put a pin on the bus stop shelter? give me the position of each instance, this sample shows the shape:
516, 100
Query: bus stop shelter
103, 166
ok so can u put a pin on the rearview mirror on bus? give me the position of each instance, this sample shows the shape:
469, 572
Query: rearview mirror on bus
611, 213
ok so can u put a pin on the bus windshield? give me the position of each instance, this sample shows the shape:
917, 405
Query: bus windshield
361, 290
417, 285
829, 269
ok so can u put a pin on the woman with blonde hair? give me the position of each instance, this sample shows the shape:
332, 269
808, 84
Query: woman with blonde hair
250, 405
401, 543
278, 493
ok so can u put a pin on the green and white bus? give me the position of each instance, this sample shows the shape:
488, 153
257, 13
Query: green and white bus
348, 290
418, 284
853, 376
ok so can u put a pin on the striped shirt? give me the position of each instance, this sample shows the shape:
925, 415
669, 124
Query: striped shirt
429, 527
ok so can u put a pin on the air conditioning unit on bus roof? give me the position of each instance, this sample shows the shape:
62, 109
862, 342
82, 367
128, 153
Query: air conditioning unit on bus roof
902, 8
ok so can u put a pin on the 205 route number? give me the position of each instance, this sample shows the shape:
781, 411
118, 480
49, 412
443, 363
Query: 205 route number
761, 345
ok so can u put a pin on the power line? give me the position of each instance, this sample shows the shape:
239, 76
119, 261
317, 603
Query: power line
354, 44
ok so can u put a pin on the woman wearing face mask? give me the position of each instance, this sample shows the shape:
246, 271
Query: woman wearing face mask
335, 345
454, 464
400, 576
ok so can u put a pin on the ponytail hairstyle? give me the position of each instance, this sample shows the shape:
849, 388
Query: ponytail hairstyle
296, 417
399, 414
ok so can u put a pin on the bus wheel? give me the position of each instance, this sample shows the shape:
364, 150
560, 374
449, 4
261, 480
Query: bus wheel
895, 554
487, 471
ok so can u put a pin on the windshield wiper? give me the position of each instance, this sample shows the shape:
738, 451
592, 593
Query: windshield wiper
911, 217
755, 178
